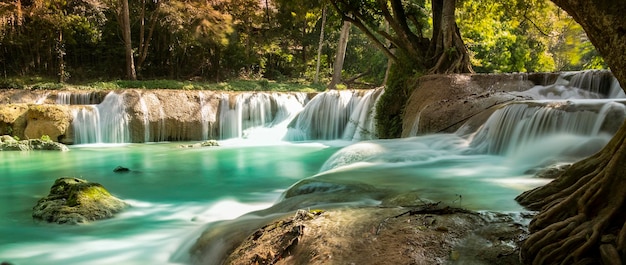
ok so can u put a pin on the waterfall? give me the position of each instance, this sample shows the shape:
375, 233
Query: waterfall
362, 124
75, 98
205, 111
247, 114
328, 114
524, 124
580, 85
106, 122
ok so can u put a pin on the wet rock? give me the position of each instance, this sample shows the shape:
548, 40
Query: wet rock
6, 139
121, 169
30, 145
207, 143
75, 201
368, 235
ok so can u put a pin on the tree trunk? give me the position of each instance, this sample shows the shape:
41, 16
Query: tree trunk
583, 217
128, 47
389, 61
319, 47
341, 55
449, 52
61, 55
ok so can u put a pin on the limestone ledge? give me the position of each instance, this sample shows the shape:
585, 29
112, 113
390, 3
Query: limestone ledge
8, 143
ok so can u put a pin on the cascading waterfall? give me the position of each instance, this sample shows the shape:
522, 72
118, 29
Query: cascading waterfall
325, 117
580, 85
362, 125
523, 124
106, 122
75, 98
245, 113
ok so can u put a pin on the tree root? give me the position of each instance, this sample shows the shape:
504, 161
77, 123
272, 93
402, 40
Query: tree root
582, 218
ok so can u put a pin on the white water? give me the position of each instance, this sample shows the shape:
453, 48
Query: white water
106, 122
174, 192
74, 98
336, 115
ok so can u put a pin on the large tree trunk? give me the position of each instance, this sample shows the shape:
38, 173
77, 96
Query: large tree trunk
447, 47
341, 55
124, 18
583, 211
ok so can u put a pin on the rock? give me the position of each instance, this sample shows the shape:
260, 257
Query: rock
210, 143
13, 119
121, 169
75, 201
51, 120
366, 235
6, 139
198, 145
32, 144
442, 103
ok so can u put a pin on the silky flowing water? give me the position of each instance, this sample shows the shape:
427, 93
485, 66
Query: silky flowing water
172, 191
176, 193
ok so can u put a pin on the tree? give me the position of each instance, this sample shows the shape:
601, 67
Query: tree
340, 55
583, 217
411, 50
445, 52
124, 20
320, 45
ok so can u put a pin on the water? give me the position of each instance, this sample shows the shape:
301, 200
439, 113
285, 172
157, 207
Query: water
174, 192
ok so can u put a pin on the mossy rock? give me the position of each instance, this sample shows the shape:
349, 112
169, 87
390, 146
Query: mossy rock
75, 201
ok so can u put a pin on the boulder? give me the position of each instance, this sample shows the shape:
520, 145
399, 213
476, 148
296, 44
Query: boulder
442, 103
51, 120
75, 201
10, 144
13, 119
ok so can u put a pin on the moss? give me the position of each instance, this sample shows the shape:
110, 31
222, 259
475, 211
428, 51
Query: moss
390, 106
85, 193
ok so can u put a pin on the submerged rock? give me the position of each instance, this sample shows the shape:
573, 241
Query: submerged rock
121, 169
74, 201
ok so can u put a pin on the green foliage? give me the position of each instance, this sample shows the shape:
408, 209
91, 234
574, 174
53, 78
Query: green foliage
520, 36
46, 138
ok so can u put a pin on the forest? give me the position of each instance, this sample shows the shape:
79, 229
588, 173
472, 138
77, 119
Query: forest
283, 40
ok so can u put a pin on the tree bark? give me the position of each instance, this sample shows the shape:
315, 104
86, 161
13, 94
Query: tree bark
61, 55
449, 52
583, 217
319, 47
124, 15
341, 55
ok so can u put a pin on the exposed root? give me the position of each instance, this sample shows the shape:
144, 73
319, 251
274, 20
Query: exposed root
582, 218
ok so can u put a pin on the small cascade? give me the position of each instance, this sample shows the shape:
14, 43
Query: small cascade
152, 118
42, 98
76, 98
362, 124
86, 125
247, 113
526, 124
580, 85
326, 116
205, 112
106, 122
